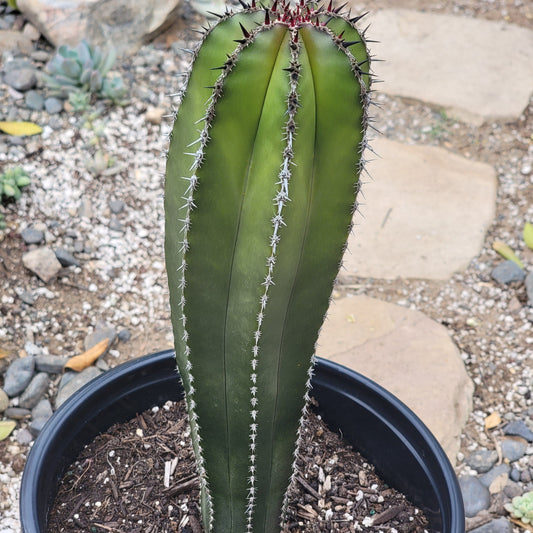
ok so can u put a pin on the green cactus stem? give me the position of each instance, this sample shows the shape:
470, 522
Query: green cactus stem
261, 182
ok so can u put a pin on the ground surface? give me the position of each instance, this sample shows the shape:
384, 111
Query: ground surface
122, 281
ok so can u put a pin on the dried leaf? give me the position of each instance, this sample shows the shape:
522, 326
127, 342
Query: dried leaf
3, 353
507, 252
528, 235
82, 361
521, 524
492, 421
6, 427
20, 128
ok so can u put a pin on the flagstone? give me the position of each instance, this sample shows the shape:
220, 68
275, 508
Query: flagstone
425, 213
478, 70
407, 353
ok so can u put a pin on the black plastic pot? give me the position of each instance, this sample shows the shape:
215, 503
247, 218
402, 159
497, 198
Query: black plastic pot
381, 427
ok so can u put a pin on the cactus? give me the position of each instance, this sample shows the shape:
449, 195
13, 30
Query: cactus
261, 182
521, 507
81, 70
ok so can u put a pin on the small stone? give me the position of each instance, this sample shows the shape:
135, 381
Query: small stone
53, 364
42, 262
32, 349
526, 169
36, 426
86, 209
101, 331
34, 100
53, 105
75, 383
17, 413
23, 436
31, 32
4, 400
525, 476
529, 288
482, 460
18, 375
476, 496
154, 115
22, 79
66, 258
116, 206
499, 525
513, 448
493, 473
514, 474
27, 297
518, 428
35, 391
41, 56
30, 235
42, 410
512, 489
124, 335
508, 272
115, 225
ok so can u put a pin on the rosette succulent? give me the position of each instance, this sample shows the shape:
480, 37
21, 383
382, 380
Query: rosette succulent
83, 69
521, 507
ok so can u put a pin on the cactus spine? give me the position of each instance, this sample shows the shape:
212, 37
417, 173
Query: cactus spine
261, 182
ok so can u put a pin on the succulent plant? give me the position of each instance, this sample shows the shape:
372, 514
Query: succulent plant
12, 181
521, 507
261, 183
83, 69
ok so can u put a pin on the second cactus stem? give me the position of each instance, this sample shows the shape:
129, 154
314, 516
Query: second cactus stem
262, 177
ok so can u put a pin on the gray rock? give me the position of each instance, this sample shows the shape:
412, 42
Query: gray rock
18, 375
53, 105
86, 208
513, 489
513, 448
476, 496
17, 413
67, 376
42, 410
27, 297
53, 364
116, 206
493, 473
30, 235
507, 272
124, 335
34, 100
76, 383
499, 525
518, 428
4, 400
23, 436
482, 460
35, 391
514, 474
529, 288
42, 262
22, 79
17, 64
525, 476
66, 258
41, 56
36, 426
101, 331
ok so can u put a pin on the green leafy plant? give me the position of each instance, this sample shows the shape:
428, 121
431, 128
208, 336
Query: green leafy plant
78, 72
521, 507
261, 183
12, 181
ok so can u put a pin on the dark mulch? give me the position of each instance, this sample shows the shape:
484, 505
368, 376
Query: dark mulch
118, 484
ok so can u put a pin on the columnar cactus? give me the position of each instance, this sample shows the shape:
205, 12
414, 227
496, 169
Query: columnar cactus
261, 182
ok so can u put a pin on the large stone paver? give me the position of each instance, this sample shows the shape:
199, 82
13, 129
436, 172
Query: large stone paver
425, 213
477, 69
407, 353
